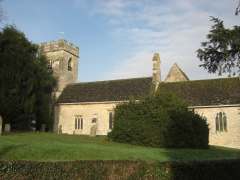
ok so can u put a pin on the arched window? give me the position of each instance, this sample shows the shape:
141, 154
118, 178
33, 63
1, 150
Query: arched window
221, 122
70, 64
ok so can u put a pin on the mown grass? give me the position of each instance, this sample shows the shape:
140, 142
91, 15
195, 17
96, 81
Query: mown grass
52, 147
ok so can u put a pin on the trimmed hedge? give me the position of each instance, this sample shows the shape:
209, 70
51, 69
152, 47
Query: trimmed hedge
111, 170
159, 121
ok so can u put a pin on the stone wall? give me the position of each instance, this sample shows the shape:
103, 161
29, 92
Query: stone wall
60, 45
175, 74
68, 112
156, 76
230, 138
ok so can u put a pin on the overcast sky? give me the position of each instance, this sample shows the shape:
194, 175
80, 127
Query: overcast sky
117, 38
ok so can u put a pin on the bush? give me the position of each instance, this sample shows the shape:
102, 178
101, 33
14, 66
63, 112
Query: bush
101, 170
160, 121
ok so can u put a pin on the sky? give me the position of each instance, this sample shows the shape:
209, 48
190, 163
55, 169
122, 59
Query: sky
117, 38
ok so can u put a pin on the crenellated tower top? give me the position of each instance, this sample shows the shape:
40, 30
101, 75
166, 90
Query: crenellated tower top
58, 45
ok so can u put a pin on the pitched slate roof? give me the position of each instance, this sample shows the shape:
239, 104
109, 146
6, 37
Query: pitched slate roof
196, 93
114, 90
206, 92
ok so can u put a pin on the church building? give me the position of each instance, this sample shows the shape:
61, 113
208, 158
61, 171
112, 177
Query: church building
87, 108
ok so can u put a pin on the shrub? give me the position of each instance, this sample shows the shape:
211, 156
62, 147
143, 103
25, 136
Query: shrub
101, 170
159, 121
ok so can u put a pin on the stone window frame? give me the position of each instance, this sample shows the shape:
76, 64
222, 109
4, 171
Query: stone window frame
221, 122
51, 63
78, 122
95, 118
69, 64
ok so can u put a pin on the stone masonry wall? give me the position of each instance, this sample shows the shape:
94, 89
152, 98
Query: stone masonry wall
231, 138
176, 74
68, 112
58, 54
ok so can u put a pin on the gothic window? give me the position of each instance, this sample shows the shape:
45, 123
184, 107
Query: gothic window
221, 122
78, 122
110, 120
70, 64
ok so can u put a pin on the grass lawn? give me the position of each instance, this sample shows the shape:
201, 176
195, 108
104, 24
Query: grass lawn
52, 147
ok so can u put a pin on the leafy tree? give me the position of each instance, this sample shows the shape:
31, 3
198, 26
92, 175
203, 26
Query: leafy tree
221, 52
26, 83
159, 121
238, 8
1, 11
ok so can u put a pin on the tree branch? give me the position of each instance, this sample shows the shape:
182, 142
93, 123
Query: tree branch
238, 8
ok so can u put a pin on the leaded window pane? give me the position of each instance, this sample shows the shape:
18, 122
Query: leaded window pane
225, 122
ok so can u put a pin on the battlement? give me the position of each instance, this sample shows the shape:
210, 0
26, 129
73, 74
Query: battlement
60, 44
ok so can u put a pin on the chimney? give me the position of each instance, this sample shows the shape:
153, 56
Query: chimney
156, 77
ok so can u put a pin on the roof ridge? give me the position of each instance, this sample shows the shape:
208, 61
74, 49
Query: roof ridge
111, 80
224, 78
180, 69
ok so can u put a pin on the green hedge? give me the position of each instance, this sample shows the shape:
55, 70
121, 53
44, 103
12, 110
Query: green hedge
159, 121
132, 170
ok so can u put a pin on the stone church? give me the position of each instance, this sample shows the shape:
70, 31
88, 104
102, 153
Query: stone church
88, 108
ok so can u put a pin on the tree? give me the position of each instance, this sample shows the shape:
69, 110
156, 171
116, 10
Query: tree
26, 83
1, 11
162, 120
238, 8
221, 52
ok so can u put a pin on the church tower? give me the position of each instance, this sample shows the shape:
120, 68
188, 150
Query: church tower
63, 60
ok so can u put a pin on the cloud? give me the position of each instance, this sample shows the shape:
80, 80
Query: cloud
174, 28
133, 66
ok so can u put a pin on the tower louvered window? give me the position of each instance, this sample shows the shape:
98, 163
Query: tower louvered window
70, 64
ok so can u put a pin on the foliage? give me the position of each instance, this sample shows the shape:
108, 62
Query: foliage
1, 11
159, 121
221, 52
238, 8
101, 170
26, 84
199, 170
